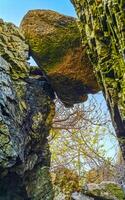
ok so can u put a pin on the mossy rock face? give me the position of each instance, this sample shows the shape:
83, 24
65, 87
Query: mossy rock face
55, 45
102, 26
26, 113
107, 190
39, 185
14, 49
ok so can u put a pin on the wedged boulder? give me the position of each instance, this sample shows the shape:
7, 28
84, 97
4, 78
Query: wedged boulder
55, 44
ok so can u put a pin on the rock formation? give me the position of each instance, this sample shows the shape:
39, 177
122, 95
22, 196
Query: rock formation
26, 95
26, 112
66, 184
55, 44
102, 25
104, 191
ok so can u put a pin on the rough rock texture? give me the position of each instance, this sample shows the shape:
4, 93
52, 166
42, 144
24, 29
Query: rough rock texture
80, 196
66, 184
102, 24
106, 190
55, 45
103, 191
26, 112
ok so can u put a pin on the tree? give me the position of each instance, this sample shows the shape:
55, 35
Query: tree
65, 181
78, 135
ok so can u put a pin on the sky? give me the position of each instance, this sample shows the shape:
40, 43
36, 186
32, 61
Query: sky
14, 10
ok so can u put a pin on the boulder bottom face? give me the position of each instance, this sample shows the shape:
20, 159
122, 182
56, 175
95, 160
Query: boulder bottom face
69, 91
73, 78
55, 44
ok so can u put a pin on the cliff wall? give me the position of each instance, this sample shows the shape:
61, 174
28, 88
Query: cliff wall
102, 25
26, 112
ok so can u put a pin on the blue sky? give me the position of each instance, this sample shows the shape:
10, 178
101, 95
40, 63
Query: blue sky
14, 10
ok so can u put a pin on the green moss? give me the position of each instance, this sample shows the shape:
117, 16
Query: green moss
101, 26
51, 114
107, 191
96, 192
14, 50
40, 188
53, 47
115, 191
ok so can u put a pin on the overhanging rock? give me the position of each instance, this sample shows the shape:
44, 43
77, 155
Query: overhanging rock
55, 44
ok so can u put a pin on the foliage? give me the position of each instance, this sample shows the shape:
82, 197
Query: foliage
78, 138
67, 180
103, 173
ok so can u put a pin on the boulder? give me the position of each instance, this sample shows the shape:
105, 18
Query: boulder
106, 190
80, 196
55, 44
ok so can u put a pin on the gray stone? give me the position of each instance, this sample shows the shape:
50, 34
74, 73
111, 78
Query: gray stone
26, 113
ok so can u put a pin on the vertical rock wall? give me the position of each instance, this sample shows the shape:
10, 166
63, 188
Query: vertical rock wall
26, 112
102, 25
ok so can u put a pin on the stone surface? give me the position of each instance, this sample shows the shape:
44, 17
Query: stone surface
26, 112
80, 196
66, 186
55, 44
102, 25
106, 190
